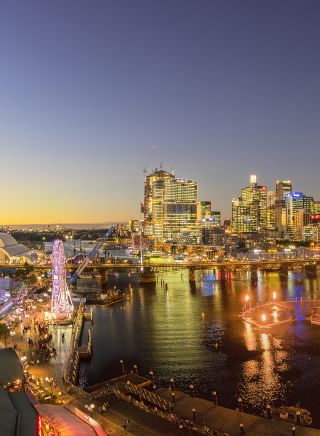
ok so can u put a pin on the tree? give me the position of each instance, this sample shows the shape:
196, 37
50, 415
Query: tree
4, 333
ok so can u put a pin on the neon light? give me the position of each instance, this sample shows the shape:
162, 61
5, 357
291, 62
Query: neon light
39, 426
61, 303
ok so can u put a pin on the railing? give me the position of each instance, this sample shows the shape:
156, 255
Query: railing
171, 417
70, 371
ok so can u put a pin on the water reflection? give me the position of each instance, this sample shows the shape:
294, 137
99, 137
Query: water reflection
163, 330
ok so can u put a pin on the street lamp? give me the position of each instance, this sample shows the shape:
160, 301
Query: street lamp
151, 374
122, 366
90, 408
274, 295
50, 381
172, 383
192, 389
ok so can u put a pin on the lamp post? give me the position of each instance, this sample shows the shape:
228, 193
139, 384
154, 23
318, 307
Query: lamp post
172, 383
215, 398
192, 389
151, 374
122, 366
90, 408
12, 333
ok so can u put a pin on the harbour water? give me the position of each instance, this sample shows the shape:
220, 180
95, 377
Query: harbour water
162, 330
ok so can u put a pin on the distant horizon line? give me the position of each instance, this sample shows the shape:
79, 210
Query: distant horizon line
66, 223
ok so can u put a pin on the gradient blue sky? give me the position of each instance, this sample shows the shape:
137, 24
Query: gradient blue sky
222, 89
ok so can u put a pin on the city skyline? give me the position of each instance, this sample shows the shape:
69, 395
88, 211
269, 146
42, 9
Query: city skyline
269, 189
92, 96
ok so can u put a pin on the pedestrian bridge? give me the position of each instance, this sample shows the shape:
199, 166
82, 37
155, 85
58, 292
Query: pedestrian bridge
229, 265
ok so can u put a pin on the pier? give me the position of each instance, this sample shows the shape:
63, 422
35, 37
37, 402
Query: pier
76, 351
191, 414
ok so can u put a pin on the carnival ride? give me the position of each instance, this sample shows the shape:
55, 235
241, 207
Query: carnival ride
61, 302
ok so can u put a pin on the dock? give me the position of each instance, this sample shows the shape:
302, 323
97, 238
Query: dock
199, 415
78, 352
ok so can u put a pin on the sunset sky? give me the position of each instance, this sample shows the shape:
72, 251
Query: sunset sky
93, 92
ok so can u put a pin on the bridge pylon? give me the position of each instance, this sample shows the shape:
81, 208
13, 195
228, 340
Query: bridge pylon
192, 276
104, 277
311, 269
254, 274
147, 276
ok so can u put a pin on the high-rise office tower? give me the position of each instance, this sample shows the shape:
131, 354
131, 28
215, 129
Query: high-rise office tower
249, 212
154, 187
170, 206
271, 210
283, 188
180, 208
294, 211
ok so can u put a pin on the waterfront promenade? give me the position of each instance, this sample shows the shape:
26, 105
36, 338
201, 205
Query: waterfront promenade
142, 420
193, 415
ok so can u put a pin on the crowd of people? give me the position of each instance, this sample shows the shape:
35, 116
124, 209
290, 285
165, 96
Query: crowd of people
38, 336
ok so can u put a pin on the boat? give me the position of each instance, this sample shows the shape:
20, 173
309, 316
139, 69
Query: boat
110, 297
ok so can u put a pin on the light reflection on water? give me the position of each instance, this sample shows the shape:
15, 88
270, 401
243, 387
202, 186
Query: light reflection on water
163, 330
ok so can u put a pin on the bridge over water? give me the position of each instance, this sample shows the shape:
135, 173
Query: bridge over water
149, 268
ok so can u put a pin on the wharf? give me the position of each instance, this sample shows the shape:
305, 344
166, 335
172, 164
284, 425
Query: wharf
229, 420
203, 416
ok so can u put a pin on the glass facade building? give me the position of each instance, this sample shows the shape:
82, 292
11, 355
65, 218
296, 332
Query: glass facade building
249, 212
170, 206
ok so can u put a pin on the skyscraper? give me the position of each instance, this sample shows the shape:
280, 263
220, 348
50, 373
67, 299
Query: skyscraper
271, 210
154, 187
294, 209
170, 206
249, 212
283, 188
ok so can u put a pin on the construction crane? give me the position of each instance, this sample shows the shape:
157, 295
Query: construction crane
91, 255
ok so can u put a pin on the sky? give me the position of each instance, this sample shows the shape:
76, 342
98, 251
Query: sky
94, 92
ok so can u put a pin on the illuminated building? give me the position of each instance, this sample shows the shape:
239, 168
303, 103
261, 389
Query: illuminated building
211, 232
316, 208
180, 208
154, 187
283, 188
134, 226
271, 210
249, 212
170, 207
203, 210
294, 208
216, 218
